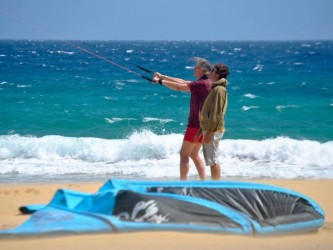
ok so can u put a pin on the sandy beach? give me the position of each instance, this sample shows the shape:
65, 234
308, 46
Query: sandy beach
14, 196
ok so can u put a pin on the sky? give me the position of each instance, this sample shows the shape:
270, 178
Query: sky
167, 19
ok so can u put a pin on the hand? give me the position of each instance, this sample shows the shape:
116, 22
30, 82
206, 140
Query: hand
207, 136
155, 79
158, 75
197, 135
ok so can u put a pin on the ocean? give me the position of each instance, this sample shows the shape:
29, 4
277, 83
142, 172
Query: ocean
66, 115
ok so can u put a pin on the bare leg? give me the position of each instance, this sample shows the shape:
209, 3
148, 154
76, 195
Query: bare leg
199, 164
185, 159
191, 150
215, 171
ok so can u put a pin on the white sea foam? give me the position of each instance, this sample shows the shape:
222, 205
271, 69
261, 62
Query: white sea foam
259, 67
281, 107
65, 52
151, 119
147, 155
251, 96
23, 86
114, 120
245, 108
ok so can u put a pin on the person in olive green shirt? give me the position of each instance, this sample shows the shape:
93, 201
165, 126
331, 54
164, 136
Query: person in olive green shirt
212, 124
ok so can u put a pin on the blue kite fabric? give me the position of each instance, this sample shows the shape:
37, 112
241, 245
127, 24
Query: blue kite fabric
211, 206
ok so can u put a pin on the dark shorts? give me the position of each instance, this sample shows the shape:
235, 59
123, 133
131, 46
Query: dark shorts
190, 133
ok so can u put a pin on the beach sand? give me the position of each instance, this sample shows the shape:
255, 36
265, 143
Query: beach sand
14, 196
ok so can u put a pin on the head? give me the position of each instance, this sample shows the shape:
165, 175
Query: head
219, 71
202, 67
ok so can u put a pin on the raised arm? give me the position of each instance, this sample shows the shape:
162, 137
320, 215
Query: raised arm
173, 83
169, 78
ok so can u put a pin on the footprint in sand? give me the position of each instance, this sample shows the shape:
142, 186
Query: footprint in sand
8, 192
328, 226
31, 191
73, 185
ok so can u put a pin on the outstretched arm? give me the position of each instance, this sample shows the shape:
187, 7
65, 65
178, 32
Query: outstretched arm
173, 83
169, 78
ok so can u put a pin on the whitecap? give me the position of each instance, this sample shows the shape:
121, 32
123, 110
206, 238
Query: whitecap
65, 52
251, 96
151, 119
245, 108
281, 107
133, 80
120, 83
115, 119
23, 86
258, 67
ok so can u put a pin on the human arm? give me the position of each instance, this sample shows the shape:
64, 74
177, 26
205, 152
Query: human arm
173, 83
207, 137
169, 78
197, 135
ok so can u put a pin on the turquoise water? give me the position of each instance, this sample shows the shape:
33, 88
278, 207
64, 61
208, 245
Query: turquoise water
66, 113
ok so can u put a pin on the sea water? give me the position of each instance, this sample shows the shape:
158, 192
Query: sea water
67, 115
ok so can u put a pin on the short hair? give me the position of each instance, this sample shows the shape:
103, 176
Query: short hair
222, 70
204, 64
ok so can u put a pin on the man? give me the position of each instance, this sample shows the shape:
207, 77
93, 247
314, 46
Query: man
212, 118
199, 90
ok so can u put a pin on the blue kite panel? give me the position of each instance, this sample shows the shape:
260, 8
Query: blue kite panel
132, 205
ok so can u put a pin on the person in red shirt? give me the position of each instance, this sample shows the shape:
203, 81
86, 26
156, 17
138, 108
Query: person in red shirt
199, 90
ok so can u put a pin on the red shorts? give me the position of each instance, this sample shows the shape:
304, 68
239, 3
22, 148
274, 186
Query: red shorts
190, 133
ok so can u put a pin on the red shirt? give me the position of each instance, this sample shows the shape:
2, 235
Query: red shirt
199, 91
